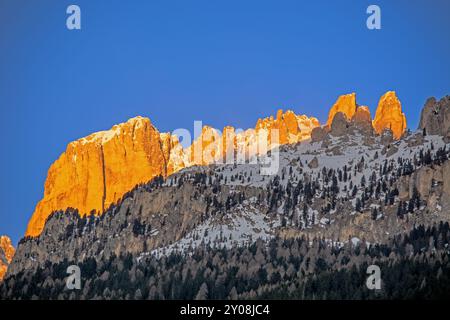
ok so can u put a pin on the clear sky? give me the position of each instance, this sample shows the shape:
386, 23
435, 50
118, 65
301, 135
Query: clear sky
225, 62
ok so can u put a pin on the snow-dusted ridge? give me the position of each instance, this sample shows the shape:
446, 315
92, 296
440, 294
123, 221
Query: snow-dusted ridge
364, 157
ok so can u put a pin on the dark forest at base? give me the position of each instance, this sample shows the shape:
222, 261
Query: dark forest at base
413, 266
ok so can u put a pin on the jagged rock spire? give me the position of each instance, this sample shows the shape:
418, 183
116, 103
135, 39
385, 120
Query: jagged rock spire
389, 115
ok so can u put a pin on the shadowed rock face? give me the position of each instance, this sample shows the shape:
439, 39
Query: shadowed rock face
6, 254
340, 125
318, 134
389, 115
362, 119
435, 117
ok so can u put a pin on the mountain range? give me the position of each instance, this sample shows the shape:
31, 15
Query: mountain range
94, 172
132, 199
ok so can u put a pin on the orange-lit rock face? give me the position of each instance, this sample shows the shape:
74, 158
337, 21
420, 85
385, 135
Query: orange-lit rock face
291, 128
96, 171
389, 115
228, 146
6, 254
345, 104
7, 247
204, 150
213, 147
174, 151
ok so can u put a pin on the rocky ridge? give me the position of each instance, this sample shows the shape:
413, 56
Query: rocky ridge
351, 186
96, 171
354, 185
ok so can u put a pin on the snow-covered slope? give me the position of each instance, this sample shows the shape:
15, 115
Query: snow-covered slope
353, 175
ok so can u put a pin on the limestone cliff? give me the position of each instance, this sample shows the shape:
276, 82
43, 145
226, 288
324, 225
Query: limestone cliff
345, 104
96, 171
213, 146
350, 115
6, 254
204, 149
345, 116
435, 117
389, 115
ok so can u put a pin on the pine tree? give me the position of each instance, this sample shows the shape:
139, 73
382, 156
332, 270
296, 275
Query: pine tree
400, 210
374, 214
358, 205
202, 293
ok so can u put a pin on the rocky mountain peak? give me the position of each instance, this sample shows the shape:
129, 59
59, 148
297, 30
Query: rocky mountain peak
389, 115
291, 127
345, 104
203, 150
435, 117
97, 170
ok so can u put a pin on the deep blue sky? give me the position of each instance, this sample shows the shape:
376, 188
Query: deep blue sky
222, 62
